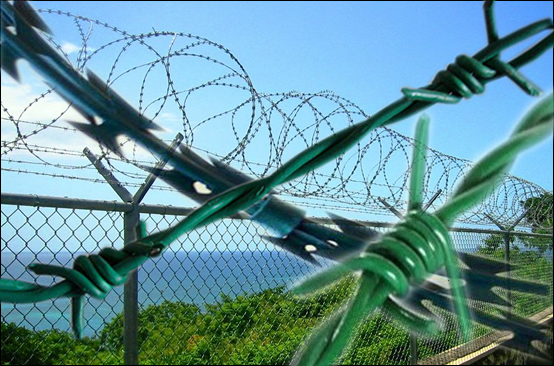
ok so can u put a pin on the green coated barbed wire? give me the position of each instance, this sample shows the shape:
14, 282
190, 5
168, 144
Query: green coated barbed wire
97, 274
419, 245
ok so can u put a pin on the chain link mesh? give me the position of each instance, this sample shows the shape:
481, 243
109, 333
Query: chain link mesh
217, 296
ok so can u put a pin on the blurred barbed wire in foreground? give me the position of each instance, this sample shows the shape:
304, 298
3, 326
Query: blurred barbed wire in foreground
190, 84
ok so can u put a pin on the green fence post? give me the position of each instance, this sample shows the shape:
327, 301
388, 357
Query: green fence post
507, 238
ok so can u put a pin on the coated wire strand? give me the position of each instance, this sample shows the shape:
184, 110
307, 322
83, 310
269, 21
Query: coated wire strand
245, 195
414, 257
417, 257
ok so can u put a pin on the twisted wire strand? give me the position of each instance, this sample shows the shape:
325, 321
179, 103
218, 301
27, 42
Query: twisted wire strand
94, 98
417, 246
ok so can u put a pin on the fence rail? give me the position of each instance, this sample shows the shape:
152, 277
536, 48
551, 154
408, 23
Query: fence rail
217, 296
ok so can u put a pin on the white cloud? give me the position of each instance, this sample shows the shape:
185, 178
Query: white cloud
31, 110
69, 47
30, 105
169, 117
24, 102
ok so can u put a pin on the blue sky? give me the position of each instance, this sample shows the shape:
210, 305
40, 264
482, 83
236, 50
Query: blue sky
363, 51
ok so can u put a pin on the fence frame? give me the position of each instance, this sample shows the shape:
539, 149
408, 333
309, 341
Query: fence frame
132, 208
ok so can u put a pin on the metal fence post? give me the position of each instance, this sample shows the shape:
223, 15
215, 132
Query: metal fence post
413, 338
131, 221
507, 237
508, 271
72, 206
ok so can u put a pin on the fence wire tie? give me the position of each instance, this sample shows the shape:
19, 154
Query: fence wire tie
97, 274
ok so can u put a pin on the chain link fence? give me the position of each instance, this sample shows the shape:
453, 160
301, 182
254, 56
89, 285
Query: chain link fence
220, 295
217, 296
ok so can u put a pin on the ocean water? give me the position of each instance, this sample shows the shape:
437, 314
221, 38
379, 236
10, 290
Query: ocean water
189, 276
193, 277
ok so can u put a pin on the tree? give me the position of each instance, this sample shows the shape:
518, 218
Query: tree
539, 215
494, 242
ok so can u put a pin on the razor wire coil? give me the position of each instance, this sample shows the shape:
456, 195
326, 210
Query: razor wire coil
96, 274
338, 186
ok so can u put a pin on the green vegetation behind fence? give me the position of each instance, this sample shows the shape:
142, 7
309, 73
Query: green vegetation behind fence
265, 327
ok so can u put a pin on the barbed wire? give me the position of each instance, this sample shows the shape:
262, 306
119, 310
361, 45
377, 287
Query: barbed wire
275, 125
421, 242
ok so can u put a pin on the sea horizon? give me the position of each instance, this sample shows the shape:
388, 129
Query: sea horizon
194, 277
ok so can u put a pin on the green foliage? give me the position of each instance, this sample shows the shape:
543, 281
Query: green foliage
539, 243
540, 211
21, 346
263, 328
494, 242
169, 315
539, 215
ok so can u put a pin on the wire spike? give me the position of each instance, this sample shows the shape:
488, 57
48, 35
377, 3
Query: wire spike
231, 174
333, 244
353, 228
9, 60
485, 265
290, 246
105, 136
30, 15
479, 290
181, 182
193, 157
129, 116
90, 118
